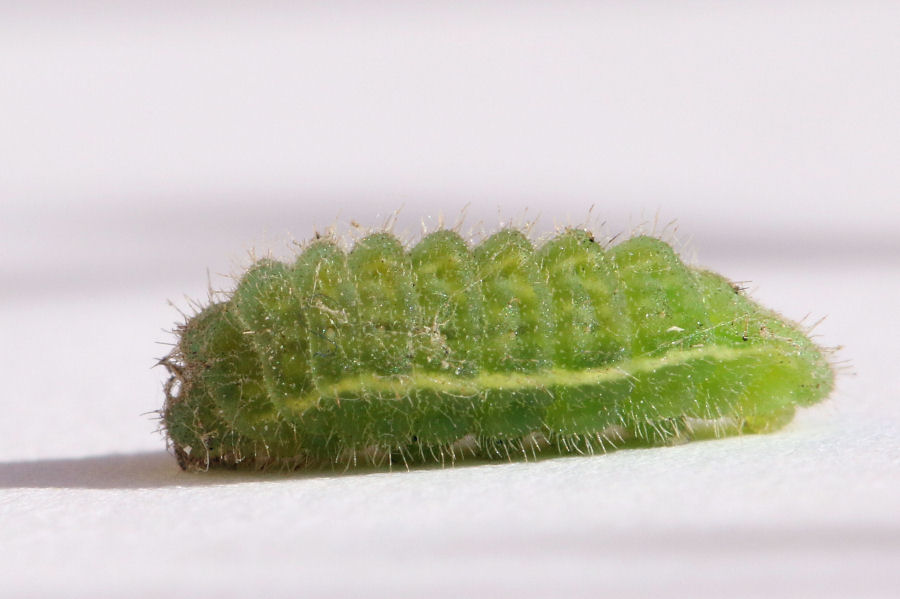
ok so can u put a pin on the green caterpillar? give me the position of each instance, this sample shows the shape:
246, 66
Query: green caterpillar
442, 351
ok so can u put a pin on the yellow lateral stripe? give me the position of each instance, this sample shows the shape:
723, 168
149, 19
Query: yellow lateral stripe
402, 385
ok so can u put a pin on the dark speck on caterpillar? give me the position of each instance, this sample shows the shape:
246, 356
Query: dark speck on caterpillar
390, 354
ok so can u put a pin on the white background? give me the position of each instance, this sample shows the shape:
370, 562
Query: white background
142, 143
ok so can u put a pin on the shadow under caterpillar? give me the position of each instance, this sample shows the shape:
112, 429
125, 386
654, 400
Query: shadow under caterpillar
443, 351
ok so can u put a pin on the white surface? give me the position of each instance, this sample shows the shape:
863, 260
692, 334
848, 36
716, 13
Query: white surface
811, 509
142, 143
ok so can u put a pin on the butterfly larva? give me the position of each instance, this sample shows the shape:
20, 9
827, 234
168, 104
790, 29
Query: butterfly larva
444, 350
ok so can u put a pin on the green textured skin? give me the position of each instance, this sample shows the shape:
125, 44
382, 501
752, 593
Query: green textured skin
442, 351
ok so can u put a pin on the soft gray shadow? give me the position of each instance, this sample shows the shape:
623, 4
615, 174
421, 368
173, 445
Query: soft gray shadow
157, 469
152, 469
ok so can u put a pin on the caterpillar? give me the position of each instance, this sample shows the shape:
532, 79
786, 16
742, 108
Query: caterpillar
386, 354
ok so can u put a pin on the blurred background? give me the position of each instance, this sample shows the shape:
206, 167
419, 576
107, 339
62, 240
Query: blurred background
152, 140
146, 147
